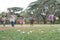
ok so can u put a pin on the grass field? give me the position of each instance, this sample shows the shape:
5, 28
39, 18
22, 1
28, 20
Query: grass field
28, 32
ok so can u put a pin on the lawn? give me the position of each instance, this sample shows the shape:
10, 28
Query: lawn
27, 32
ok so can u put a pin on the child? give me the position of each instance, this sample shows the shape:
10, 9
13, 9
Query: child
12, 19
21, 20
32, 20
3, 20
51, 18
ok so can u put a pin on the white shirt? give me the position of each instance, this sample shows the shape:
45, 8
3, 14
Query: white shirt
12, 18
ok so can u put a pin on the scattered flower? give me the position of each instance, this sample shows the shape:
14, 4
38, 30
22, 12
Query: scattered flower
42, 31
23, 32
31, 31
18, 30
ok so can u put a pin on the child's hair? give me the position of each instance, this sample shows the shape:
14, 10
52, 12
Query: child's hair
21, 16
12, 13
3, 15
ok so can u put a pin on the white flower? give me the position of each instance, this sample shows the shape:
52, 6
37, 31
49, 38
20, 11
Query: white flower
57, 18
42, 31
23, 32
31, 31
18, 30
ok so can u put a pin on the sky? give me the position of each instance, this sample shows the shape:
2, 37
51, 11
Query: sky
4, 4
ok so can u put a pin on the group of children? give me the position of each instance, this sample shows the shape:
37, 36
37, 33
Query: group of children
12, 19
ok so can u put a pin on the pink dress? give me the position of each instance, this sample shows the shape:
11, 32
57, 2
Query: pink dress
21, 20
3, 19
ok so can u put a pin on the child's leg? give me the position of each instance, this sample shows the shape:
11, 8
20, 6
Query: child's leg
21, 24
50, 22
4, 24
12, 23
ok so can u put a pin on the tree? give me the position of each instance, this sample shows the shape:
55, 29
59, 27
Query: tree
14, 9
43, 6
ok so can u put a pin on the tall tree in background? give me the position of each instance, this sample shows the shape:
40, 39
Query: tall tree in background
14, 9
41, 6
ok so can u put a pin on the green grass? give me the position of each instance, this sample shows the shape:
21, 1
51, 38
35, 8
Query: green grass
44, 32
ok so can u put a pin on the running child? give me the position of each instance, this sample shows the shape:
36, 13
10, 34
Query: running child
21, 20
3, 20
12, 19
32, 20
51, 18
